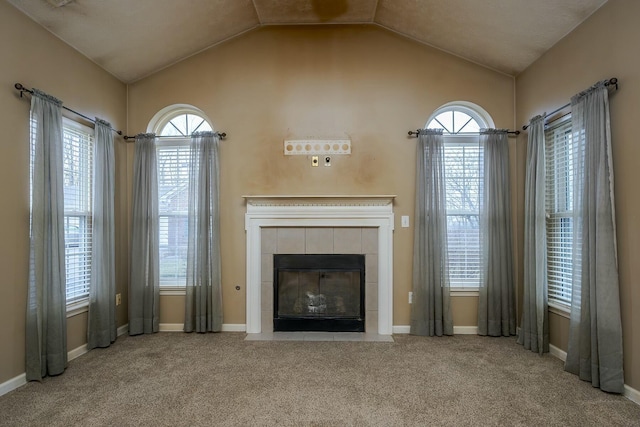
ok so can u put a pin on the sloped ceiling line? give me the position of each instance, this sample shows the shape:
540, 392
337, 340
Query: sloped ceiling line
506, 36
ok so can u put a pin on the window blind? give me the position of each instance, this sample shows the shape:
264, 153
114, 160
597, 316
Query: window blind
560, 152
173, 199
463, 181
78, 197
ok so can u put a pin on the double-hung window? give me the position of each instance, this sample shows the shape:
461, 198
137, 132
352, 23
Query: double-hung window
78, 204
173, 194
175, 129
77, 162
560, 152
463, 185
463, 170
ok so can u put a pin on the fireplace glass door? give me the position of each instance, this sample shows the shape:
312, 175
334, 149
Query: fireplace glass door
319, 293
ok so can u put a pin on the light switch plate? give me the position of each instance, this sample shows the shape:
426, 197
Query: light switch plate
405, 221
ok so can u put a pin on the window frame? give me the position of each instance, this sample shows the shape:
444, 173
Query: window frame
80, 304
156, 125
562, 125
484, 120
457, 140
169, 144
85, 216
88, 133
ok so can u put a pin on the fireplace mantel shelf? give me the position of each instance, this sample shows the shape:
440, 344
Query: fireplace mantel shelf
319, 200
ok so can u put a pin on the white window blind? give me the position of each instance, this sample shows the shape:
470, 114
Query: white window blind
78, 200
560, 152
173, 198
463, 180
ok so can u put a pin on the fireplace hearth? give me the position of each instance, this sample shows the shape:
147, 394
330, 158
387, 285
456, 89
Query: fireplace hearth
319, 292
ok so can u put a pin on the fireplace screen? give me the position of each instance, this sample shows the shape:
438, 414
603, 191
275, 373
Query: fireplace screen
318, 292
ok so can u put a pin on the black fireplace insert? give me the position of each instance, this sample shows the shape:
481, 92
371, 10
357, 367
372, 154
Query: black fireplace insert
318, 293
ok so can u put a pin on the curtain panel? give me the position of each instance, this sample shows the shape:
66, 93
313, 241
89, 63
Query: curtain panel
144, 288
431, 309
595, 332
46, 322
203, 300
496, 304
101, 329
534, 330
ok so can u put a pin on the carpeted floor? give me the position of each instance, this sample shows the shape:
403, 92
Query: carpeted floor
177, 379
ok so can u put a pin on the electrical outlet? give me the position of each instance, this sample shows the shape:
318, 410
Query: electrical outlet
314, 161
410, 297
118, 299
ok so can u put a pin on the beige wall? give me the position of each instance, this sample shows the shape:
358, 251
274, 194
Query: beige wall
604, 46
32, 56
358, 82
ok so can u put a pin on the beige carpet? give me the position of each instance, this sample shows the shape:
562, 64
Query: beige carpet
177, 379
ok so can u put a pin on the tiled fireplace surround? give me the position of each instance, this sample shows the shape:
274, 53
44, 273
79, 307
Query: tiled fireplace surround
321, 240
320, 225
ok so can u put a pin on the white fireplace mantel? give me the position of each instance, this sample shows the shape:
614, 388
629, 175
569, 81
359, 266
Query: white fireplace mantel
320, 211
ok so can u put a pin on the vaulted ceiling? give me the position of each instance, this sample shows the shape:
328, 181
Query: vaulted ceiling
134, 38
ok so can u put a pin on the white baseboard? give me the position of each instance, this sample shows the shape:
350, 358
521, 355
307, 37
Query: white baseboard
234, 327
77, 352
401, 329
171, 327
465, 330
557, 352
632, 394
123, 329
226, 327
457, 330
13, 384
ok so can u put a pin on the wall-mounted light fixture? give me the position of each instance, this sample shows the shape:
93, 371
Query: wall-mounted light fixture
307, 147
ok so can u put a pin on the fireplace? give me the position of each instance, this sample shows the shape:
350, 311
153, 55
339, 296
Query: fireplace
323, 292
292, 225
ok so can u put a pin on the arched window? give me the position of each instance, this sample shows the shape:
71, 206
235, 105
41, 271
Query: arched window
460, 118
463, 169
174, 125
180, 121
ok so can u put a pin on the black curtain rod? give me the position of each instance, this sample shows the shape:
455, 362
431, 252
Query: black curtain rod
23, 89
417, 132
222, 135
613, 82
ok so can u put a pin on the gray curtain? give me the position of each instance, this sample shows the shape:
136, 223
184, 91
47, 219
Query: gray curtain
46, 323
595, 331
496, 305
101, 329
431, 308
203, 301
144, 288
534, 329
